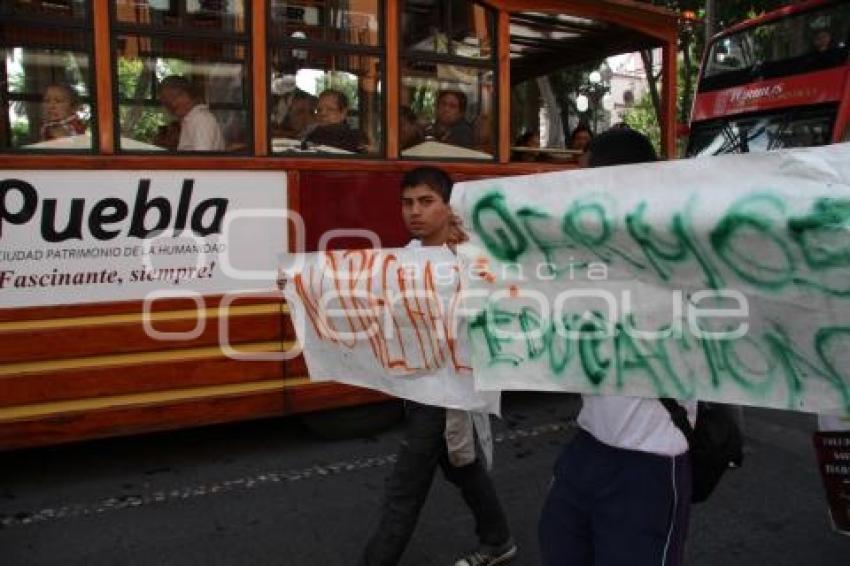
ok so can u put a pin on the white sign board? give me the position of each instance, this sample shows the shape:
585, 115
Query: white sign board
723, 279
386, 320
70, 237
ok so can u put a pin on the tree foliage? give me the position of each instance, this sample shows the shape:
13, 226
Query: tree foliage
137, 121
642, 118
140, 113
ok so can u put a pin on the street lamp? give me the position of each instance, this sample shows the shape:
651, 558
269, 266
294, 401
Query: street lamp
688, 21
595, 93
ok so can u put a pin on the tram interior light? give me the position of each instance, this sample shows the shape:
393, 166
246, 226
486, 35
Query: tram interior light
582, 103
299, 53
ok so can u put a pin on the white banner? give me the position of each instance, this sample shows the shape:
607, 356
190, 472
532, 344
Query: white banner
387, 320
71, 237
722, 279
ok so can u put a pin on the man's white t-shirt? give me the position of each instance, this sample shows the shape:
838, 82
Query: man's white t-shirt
634, 423
199, 131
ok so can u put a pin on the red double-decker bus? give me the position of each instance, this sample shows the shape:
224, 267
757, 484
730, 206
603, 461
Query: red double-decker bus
777, 81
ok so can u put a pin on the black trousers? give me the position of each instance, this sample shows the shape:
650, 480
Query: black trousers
609, 506
423, 448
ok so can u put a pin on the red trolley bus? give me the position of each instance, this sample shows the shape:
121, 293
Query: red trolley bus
125, 121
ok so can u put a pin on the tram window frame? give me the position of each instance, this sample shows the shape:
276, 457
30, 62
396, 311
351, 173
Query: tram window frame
447, 31
276, 41
281, 28
10, 10
120, 30
183, 23
407, 54
72, 24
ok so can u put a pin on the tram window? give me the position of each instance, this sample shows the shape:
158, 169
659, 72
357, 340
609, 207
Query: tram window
219, 15
455, 27
46, 97
326, 77
531, 128
352, 23
182, 94
454, 108
325, 102
448, 100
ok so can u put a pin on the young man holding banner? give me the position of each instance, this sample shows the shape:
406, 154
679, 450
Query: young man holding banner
435, 436
621, 489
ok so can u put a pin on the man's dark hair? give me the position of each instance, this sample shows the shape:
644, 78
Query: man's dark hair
304, 95
461, 98
339, 97
580, 128
435, 179
407, 114
180, 83
619, 147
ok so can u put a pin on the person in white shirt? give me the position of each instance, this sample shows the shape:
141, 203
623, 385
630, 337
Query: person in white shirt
621, 490
199, 129
436, 437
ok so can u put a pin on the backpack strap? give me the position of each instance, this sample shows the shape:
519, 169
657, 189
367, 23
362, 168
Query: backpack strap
679, 416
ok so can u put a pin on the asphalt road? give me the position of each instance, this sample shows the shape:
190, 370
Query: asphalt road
269, 492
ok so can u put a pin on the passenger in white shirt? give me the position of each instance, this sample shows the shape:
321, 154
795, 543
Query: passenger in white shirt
621, 490
199, 129
436, 437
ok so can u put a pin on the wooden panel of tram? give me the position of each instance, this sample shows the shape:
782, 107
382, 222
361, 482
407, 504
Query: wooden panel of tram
72, 373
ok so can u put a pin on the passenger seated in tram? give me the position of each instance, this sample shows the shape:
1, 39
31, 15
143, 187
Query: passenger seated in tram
59, 105
580, 138
199, 129
450, 125
293, 115
531, 140
331, 128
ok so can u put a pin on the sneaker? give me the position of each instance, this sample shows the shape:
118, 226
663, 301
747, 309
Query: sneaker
487, 555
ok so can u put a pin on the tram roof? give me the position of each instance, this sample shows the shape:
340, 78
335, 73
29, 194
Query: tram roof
546, 35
